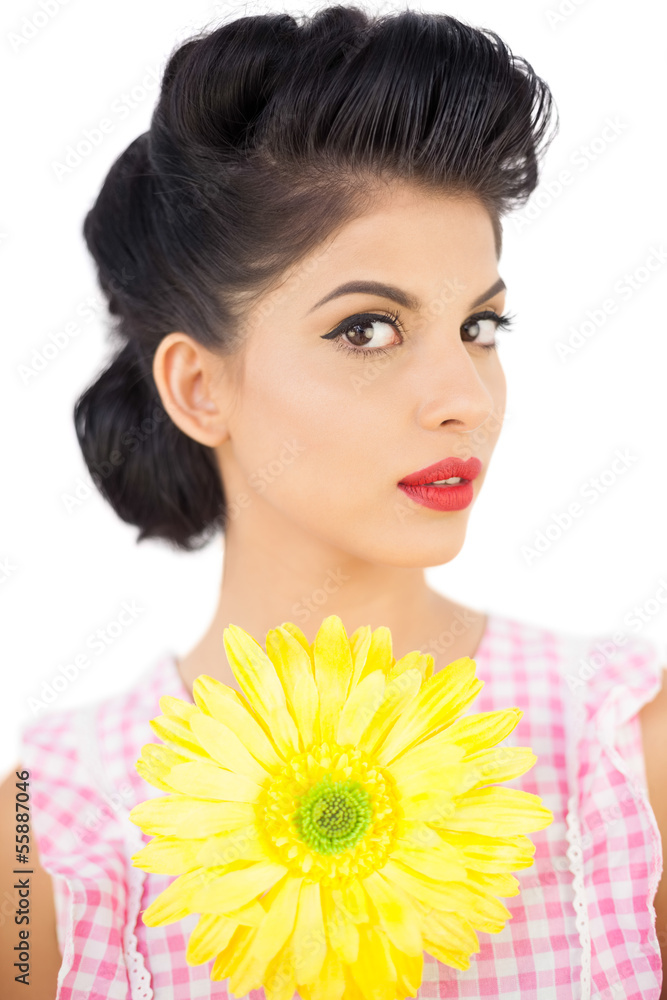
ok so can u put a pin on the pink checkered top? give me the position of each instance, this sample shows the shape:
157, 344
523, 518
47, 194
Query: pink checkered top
582, 926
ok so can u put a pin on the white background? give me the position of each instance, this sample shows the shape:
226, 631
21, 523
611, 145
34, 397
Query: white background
66, 573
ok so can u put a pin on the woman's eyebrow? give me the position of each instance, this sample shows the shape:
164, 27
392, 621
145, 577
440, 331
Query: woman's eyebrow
397, 294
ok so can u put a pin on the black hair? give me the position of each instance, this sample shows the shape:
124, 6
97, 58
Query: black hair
269, 133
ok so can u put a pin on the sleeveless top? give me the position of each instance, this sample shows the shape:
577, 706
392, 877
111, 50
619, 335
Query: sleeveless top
583, 923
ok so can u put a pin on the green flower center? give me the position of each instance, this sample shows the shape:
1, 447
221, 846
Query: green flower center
333, 815
328, 847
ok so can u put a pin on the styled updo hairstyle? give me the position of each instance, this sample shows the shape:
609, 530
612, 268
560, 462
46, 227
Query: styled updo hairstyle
269, 134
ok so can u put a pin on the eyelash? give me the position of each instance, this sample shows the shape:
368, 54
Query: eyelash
503, 321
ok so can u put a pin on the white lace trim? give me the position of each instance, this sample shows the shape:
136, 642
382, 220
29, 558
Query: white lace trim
574, 715
138, 975
574, 855
68, 943
140, 980
610, 725
617, 708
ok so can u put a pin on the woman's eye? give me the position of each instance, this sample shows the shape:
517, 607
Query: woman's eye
482, 329
366, 334
370, 333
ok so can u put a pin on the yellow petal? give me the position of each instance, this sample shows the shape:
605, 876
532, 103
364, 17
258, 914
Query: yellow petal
333, 672
451, 939
497, 764
426, 785
294, 668
290, 659
156, 761
483, 909
398, 694
295, 631
308, 942
457, 959
148, 775
490, 854
374, 971
175, 902
497, 812
352, 991
427, 763
360, 706
238, 940
242, 843
168, 856
433, 862
440, 700
210, 781
259, 682
179, 737
431, 792
308, 700
243, 972
251, 914
418, 834
280, 981
479, 730
399, 919
151, 774
423, 888
211, 935
330, 984
278, 921
360, 643
411, 661
241, 967
379, 656
184, 816
341, 930
409, 971
176, 708
226, 748
497, 883
226, 705
430, 807
351, 899
233, 889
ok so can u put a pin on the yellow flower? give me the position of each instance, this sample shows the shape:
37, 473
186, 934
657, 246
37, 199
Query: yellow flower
336, 819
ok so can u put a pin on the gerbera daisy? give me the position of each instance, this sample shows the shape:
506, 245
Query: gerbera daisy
337, 818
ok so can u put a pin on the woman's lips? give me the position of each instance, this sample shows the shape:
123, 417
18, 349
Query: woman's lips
447, 468
417, 486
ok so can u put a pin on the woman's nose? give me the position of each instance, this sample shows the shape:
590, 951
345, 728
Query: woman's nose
452, 389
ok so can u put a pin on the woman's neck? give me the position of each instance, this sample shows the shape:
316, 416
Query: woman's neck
258, 596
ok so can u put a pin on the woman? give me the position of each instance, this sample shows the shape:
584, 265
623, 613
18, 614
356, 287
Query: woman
302, 258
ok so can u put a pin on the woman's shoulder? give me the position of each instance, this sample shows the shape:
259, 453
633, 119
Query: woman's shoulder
82, 784
111, 722
80, 764
582, 695
616, 671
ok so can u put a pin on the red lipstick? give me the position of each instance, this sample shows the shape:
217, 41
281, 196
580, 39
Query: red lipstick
455, 496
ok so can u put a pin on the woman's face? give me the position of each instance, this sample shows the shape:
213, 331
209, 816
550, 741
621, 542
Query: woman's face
320, 434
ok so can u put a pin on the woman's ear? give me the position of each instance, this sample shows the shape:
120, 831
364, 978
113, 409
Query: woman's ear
190, 381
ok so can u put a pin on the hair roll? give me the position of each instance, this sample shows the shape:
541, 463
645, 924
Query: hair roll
152, 474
